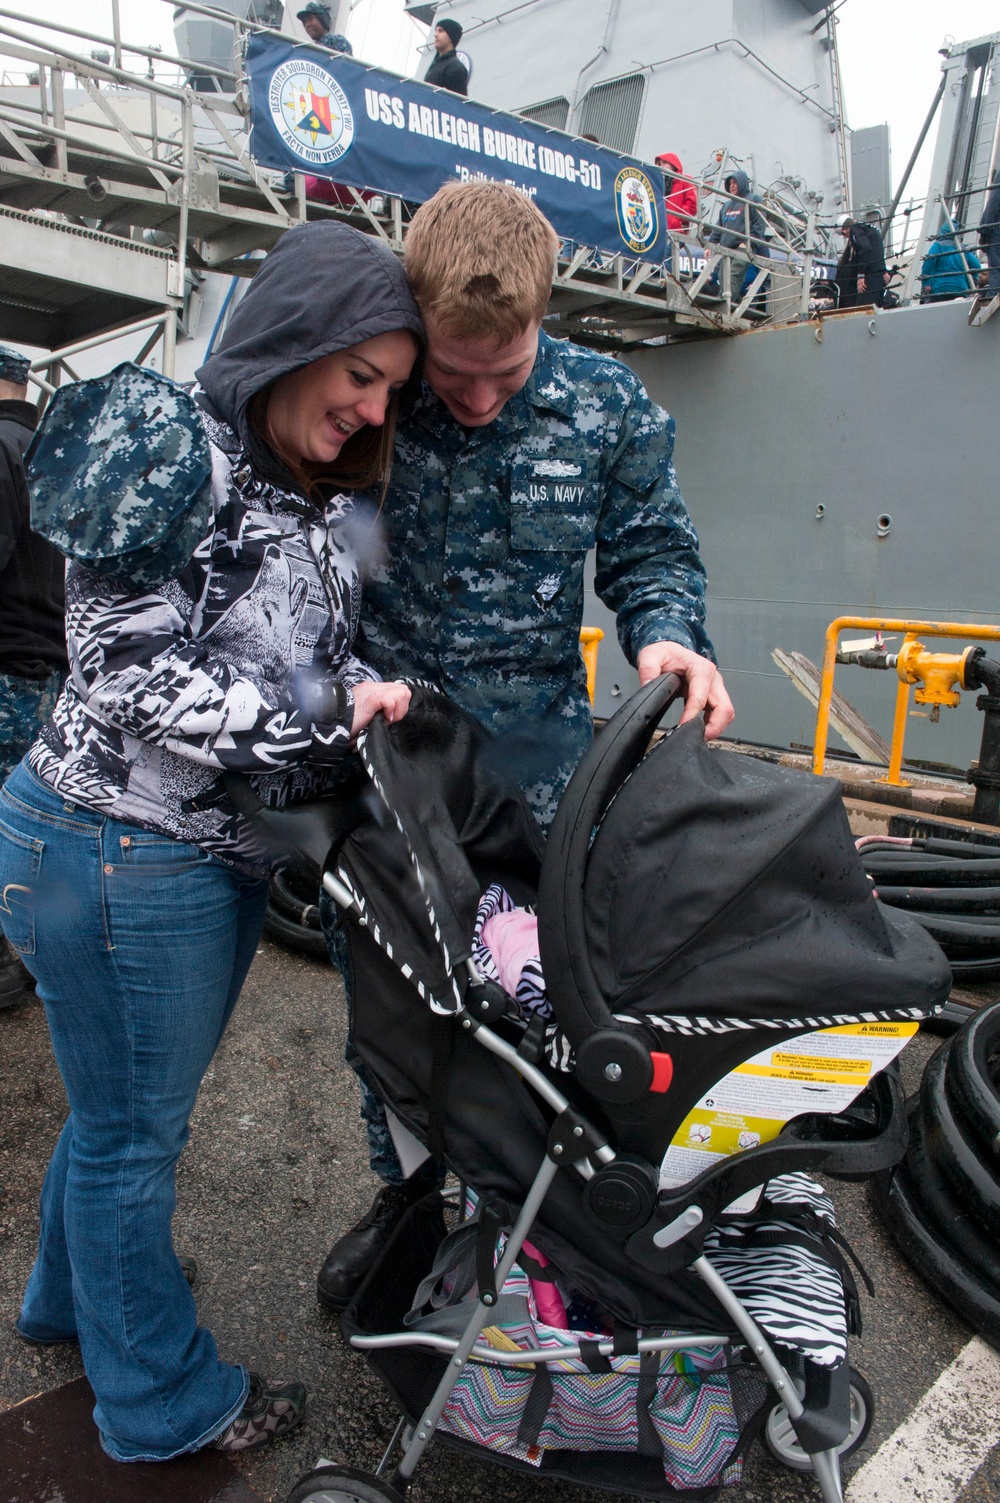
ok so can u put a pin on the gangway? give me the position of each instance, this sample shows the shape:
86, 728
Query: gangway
120, 189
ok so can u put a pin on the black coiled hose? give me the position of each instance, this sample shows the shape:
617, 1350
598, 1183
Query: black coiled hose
952, 888
292, 916
942, 1203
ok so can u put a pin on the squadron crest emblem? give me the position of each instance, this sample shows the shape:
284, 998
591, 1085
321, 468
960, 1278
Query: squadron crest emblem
311, 112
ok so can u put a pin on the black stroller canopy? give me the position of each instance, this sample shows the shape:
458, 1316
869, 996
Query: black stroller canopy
714, 885
448, 826
723, 885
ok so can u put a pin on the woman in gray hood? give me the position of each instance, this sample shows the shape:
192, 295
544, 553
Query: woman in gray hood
130, 885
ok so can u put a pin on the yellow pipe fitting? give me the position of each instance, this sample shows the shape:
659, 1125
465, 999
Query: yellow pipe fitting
941, 681
591, 638
937, 673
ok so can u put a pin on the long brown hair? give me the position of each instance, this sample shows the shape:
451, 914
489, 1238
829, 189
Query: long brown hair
365, 459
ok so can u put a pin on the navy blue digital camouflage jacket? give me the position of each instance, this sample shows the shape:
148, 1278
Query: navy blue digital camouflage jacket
487, 531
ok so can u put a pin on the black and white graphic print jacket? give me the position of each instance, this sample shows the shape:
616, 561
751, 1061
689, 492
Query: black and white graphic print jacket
169, 690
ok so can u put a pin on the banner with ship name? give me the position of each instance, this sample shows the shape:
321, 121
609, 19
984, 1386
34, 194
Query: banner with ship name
334, 117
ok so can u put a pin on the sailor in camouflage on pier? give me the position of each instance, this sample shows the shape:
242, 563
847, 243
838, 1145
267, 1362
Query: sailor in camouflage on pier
25, 704
488, 527
32, 640
516, 456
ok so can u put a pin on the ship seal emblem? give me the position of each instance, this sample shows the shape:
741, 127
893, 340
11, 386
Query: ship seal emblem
635, 201
311, 112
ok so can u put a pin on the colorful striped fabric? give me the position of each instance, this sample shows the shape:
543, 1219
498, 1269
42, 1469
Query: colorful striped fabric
691, 1409
692, 1414
793, 1292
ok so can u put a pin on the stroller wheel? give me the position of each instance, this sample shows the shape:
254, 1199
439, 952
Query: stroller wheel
342, 1484
784, 1444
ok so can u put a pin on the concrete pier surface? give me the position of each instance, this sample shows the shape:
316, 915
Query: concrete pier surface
277, 1166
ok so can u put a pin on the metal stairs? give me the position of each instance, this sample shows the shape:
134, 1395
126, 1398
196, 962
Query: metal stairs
118, 188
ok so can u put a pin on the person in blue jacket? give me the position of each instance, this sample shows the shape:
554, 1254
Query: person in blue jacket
740, 228
948, 270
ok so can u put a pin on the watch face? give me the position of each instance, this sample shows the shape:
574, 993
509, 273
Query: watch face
466, 60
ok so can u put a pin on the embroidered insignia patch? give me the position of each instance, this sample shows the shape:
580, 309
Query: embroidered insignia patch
557, 469
546, 590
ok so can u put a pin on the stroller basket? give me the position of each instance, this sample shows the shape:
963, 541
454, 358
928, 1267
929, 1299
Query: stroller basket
673, 1430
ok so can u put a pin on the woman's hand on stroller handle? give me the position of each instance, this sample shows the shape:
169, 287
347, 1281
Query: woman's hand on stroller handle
393, 699
704, 691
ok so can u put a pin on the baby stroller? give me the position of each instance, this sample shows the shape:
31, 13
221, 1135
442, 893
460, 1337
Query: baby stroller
716, 965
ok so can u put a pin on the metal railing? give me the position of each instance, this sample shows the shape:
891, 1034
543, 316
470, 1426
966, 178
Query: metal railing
179, 164
913, 665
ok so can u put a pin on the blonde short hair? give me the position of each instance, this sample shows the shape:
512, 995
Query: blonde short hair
480, 258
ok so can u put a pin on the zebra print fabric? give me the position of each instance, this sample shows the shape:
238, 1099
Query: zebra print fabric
793, 1291
530, 993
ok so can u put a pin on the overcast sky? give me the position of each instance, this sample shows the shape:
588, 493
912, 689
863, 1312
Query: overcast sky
888, 50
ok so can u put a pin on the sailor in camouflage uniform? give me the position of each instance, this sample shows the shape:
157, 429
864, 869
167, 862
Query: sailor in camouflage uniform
316, 19
517, 456
32, 639
488, 530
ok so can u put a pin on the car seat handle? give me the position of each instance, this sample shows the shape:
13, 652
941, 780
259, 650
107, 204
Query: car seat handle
617, 750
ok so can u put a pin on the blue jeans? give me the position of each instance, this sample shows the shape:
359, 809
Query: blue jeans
139, 945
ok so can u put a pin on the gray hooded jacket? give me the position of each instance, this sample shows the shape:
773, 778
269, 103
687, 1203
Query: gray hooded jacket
736, 215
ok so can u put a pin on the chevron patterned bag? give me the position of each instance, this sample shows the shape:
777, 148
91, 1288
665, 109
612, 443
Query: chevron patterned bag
678, 1406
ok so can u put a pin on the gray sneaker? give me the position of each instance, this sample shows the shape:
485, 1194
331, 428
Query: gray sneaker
270, 1411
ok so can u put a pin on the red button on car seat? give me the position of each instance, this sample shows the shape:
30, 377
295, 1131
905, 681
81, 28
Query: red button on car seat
663, 1071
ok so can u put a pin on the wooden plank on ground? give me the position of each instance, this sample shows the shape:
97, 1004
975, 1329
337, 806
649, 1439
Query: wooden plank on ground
49, 1449
845, 719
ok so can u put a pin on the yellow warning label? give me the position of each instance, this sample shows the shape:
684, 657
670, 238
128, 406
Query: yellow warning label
808, 1062
876, 1030
724, 1132
821, 1071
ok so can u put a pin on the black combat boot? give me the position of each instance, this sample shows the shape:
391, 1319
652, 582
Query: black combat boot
350, 1258
15, 982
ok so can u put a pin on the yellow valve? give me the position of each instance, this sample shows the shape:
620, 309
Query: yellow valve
591, 638
953, 670
937, 673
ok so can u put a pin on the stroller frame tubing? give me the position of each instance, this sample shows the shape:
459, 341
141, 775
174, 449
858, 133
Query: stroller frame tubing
530, 1073
479, 1318
825, 1464
490, 1354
